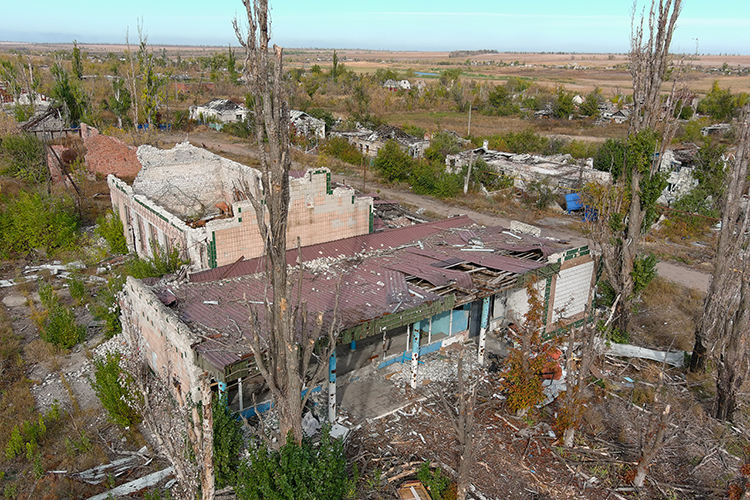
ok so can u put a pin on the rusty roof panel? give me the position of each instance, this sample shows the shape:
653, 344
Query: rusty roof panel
396, 289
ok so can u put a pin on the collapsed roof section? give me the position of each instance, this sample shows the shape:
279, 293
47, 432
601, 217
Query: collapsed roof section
378, 281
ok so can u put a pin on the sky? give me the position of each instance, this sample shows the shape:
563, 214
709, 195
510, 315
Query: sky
715, 26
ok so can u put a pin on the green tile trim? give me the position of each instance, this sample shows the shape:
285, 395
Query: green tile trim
212, 251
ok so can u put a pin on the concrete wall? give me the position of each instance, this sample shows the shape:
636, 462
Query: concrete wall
188, 182
162, 338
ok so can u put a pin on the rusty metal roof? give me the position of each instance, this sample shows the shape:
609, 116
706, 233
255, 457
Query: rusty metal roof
370, 276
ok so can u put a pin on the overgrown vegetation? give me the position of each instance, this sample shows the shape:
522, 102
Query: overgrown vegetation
109, 227
57, 323
23, 156
161, 263
106, 307
295, 471
116, 390
33, 221
228, 442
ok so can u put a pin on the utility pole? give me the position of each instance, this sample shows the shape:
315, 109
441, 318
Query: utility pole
468, 133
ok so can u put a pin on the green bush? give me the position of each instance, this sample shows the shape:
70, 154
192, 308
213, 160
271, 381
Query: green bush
107, 308
77, 289
24, 440
32, 221
393, 163
295, 472
115, 389
109, 227
431, 179
435, 482
23, 156
59, 325
340, 148
162, 263
228, 442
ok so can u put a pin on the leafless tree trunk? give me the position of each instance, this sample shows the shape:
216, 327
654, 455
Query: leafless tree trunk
726, 308
649, 60
653, 442
723, 281
284, 355
130, 77
461, 416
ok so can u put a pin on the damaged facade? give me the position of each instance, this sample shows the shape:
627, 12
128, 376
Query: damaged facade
369, 142
306, 125
558, 171
403, 293
197, 201
220, 110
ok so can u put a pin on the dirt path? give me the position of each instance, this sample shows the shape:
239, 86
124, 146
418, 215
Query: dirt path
683, 275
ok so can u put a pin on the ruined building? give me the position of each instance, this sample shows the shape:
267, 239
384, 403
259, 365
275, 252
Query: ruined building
403, 293
197, 201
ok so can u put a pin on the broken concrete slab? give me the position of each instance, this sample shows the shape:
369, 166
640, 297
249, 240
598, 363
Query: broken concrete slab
676, 358
135, 486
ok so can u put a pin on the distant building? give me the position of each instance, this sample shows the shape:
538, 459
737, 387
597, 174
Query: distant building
220, 111
369, 142
558, 171
306, 125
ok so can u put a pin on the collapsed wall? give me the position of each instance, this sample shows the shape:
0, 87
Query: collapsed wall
192, 199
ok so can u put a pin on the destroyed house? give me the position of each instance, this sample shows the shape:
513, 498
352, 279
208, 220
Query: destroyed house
369, 142
558, 171
305, 125
402, 293
199, 202
219, 110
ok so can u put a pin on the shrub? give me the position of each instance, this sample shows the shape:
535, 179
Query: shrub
431, 179
115, 389
107, 308
24, 440
58, 326
162, 263
227, 442
340, 148
109, 227
77, 289
392, 163
435, 481
32, 221
296, 471
24, 157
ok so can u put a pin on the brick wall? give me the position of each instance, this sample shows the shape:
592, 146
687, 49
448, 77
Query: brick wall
315, 216
163, 340
108, 155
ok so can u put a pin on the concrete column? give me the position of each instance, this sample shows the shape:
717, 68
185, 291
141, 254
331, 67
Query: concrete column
483, 329
429, 332
223, 390
450, 324
332, 387
239, 391
414, 355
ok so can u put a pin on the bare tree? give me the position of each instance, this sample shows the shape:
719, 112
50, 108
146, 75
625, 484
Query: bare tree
461, 413
283, 356
624, 210
725, 321
655, 438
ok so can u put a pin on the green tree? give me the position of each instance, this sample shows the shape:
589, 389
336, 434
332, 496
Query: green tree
120, 100
590, 106
228, 442
232, 74
719, 103
335, 67
77, 62
393, 163
563, 105
442, 144
69, 94
709, 169
610, 157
